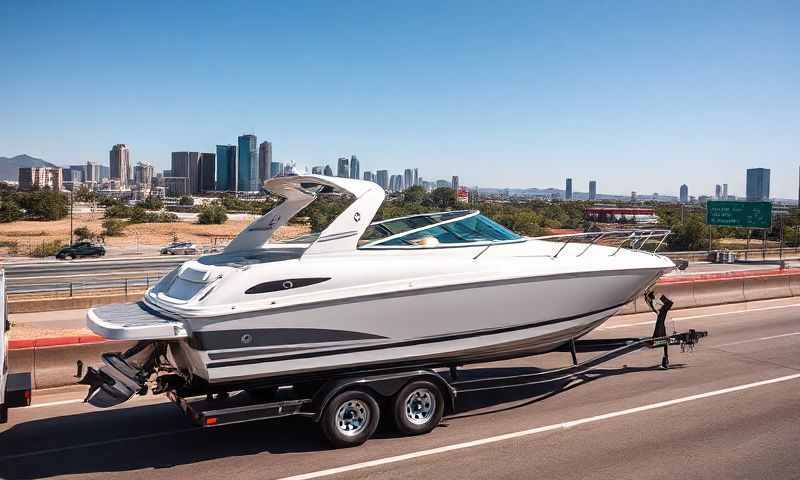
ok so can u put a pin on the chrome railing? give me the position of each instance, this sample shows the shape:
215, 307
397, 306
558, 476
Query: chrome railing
637, 240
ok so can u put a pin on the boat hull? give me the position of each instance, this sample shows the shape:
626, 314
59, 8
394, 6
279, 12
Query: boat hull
443, 326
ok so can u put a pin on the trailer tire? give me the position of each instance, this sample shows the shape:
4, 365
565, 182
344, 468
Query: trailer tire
350, 418
418, 407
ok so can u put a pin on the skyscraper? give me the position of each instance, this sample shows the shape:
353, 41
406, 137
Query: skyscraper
592, 190
718, 192
408, 178
275, 169
92, 172
143, 174
187, 165
757, 184
416, 177
568, 191
264, 161
455, 183
327, 171
684, 193
343, 167
382, 179
247, 176
368, 176
226, 168
119, 158
316, 170
207, 170
355, 167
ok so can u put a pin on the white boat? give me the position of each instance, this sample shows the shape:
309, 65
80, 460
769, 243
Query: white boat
427, 290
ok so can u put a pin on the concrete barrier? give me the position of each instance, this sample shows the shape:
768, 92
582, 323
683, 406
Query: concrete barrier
761, 288
69, 303
715, 292
56, 366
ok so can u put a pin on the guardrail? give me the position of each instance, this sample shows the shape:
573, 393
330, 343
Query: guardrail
76, 287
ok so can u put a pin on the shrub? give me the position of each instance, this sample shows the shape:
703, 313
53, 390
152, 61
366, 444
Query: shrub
212, 213
152, 203
47, 248
186, 200
118, 210
83, 233
140, 215
11, 245
113, 227
9, 211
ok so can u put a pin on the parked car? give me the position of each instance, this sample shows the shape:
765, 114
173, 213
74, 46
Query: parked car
180, 248
81, 249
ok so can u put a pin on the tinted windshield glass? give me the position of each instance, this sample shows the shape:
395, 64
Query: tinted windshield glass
387, 228
476, 228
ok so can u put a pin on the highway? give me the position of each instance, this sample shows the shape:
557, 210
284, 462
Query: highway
730, 409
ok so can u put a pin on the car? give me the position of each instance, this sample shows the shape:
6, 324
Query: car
180, 248
81, 249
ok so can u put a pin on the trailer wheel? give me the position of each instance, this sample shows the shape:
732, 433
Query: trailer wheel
418, 408
350, 418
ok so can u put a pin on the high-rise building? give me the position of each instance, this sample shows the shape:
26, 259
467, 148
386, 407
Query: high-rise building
77, 173
718, 192
177, 186
105, 172
264, 161
408, 178
355, 167
187, 164
684, 193
592, 190
382, 179
416, 177
343, 167
724, 191
568, 190
316, 170
757, 184
119, 160
275, 169
368, 176
396, 183
327, 171
444, 184
634, 198
207, 171
143, 174
226, 168
92, 172
247, 179
455, 183
31, 178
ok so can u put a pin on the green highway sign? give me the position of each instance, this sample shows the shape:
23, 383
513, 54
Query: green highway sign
739, 214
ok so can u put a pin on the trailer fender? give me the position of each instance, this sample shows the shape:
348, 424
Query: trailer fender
383, 386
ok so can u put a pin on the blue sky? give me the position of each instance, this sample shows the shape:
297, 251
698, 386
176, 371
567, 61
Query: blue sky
641, 95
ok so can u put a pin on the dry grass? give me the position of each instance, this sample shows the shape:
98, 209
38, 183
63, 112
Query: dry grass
30, 233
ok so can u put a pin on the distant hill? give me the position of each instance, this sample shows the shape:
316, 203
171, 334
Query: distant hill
9, 167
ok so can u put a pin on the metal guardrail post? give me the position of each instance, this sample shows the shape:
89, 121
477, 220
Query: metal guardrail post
70, 289
126, 287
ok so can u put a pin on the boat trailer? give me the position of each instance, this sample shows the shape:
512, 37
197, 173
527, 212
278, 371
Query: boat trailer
347, 407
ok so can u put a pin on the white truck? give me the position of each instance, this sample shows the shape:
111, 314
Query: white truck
15, 388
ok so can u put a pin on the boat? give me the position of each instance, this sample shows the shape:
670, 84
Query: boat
421, 291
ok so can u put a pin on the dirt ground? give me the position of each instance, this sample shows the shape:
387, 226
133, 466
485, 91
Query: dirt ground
28, 234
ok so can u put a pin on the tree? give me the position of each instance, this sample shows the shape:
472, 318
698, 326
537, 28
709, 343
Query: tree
113, 227
138, 215
119, 210
46, 204
84, 194
443, 198
415, 194
83, 233
152, 203
212, 213
9, 212
690, 235
186, 200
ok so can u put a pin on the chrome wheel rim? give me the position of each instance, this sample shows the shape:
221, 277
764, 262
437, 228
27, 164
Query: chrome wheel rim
352, 417
420, 406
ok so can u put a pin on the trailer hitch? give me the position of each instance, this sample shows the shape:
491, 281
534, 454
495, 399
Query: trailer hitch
687, 340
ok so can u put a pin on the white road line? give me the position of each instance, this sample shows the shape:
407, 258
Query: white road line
533, 431
754, 340
53, 404
705, 315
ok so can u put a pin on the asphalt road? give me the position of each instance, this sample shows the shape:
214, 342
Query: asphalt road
730, 409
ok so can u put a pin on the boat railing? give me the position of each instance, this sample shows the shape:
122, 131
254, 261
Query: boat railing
638, 240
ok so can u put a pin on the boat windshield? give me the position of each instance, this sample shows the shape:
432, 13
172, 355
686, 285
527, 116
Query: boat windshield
450, 228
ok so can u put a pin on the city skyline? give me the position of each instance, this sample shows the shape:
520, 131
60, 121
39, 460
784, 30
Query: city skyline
559, 90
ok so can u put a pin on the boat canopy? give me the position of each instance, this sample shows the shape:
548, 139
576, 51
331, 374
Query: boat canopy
299, 191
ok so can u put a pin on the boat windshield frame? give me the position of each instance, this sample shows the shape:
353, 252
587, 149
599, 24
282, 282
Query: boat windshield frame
377, 244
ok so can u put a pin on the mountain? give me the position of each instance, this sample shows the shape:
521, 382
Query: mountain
9, 167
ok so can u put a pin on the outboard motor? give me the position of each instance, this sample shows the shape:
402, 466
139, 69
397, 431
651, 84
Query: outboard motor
122, 376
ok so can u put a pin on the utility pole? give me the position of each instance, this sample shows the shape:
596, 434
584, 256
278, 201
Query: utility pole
71, 208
